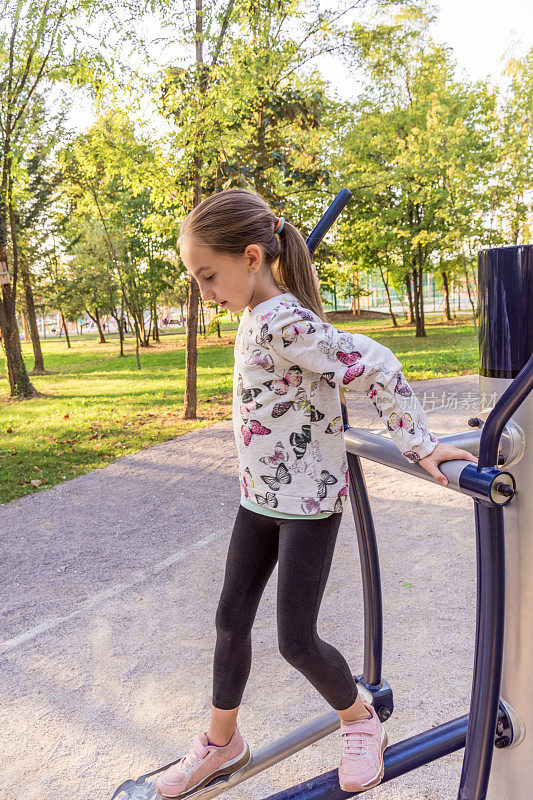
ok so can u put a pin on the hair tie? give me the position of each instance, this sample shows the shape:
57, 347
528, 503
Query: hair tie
279, 228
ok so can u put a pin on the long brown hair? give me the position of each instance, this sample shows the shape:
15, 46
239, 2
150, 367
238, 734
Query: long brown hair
232, 219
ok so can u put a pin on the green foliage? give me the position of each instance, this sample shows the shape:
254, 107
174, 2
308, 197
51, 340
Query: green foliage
439, 167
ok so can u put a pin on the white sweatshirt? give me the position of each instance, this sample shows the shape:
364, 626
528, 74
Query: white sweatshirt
287, 414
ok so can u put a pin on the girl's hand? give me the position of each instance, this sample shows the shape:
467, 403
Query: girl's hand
444, 452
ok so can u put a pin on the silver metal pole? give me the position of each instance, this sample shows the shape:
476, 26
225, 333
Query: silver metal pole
261, 759
505, 279
383, 450
512, 768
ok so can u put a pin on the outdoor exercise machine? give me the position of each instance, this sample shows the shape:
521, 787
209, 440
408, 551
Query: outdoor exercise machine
498, 753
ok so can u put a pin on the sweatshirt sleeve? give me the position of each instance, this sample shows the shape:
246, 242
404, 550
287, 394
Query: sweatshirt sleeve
357, 362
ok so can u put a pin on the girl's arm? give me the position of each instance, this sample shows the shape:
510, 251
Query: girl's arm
353, 361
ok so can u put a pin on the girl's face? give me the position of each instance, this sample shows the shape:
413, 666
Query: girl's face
230, 281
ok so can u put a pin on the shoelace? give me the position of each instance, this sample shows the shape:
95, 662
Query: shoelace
356, 742
194, 755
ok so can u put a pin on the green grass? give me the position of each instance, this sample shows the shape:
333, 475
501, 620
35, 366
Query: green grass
96, 406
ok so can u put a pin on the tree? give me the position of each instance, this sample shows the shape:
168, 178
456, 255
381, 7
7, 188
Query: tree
35, 192
419, 152
246, 118
40, 46
515, 168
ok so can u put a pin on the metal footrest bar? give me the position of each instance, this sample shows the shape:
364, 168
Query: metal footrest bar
268, 755
261, 759
399, 759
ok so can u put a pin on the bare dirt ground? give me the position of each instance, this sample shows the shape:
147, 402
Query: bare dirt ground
111, 583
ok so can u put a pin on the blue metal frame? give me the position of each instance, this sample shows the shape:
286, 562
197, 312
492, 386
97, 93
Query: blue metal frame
399, 759
490, 547
369, 558
483, 717
327, 220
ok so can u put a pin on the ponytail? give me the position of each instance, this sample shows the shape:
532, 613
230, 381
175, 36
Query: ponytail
295, 270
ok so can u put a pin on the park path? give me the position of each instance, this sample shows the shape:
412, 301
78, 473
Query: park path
111, 582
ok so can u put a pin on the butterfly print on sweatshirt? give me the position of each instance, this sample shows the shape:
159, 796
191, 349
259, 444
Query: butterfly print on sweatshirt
246, 480
269, 499
304, 313
261, 359
310, 505
326, 479
290, 333
279, 456
253, 427
301, 402
374, 393
335, 426
302, 465
398, 421
248, 403
293, 377
264, 337
299, 441
274, 482
402, 388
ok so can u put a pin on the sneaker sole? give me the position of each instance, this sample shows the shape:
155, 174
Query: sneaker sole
225, 770
364, 787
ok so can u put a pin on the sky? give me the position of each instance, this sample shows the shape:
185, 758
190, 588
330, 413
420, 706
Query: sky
481, 33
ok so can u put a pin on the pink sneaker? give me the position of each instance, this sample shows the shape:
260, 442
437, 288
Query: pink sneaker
202, 763
361, 766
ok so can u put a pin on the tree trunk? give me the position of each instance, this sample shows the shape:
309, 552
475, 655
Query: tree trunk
417, 276
409, 298
38, 362
137, 342
416, 292
386, 285
470, 298
148, 332
63, 320
202, 319
25, 327
136, 329
121, 325
446, 295
137, 314
120, 328
191, 345
19, 382
420, 327
155, 334
96, 320
191, 351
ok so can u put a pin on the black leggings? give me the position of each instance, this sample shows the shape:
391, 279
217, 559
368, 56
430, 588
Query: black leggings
304, 548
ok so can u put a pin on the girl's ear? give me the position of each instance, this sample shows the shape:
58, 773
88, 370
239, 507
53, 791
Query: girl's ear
254, 254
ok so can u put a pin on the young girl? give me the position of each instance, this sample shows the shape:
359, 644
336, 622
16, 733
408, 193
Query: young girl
293, 470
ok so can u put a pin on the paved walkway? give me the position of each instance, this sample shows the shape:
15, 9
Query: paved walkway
107, 618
